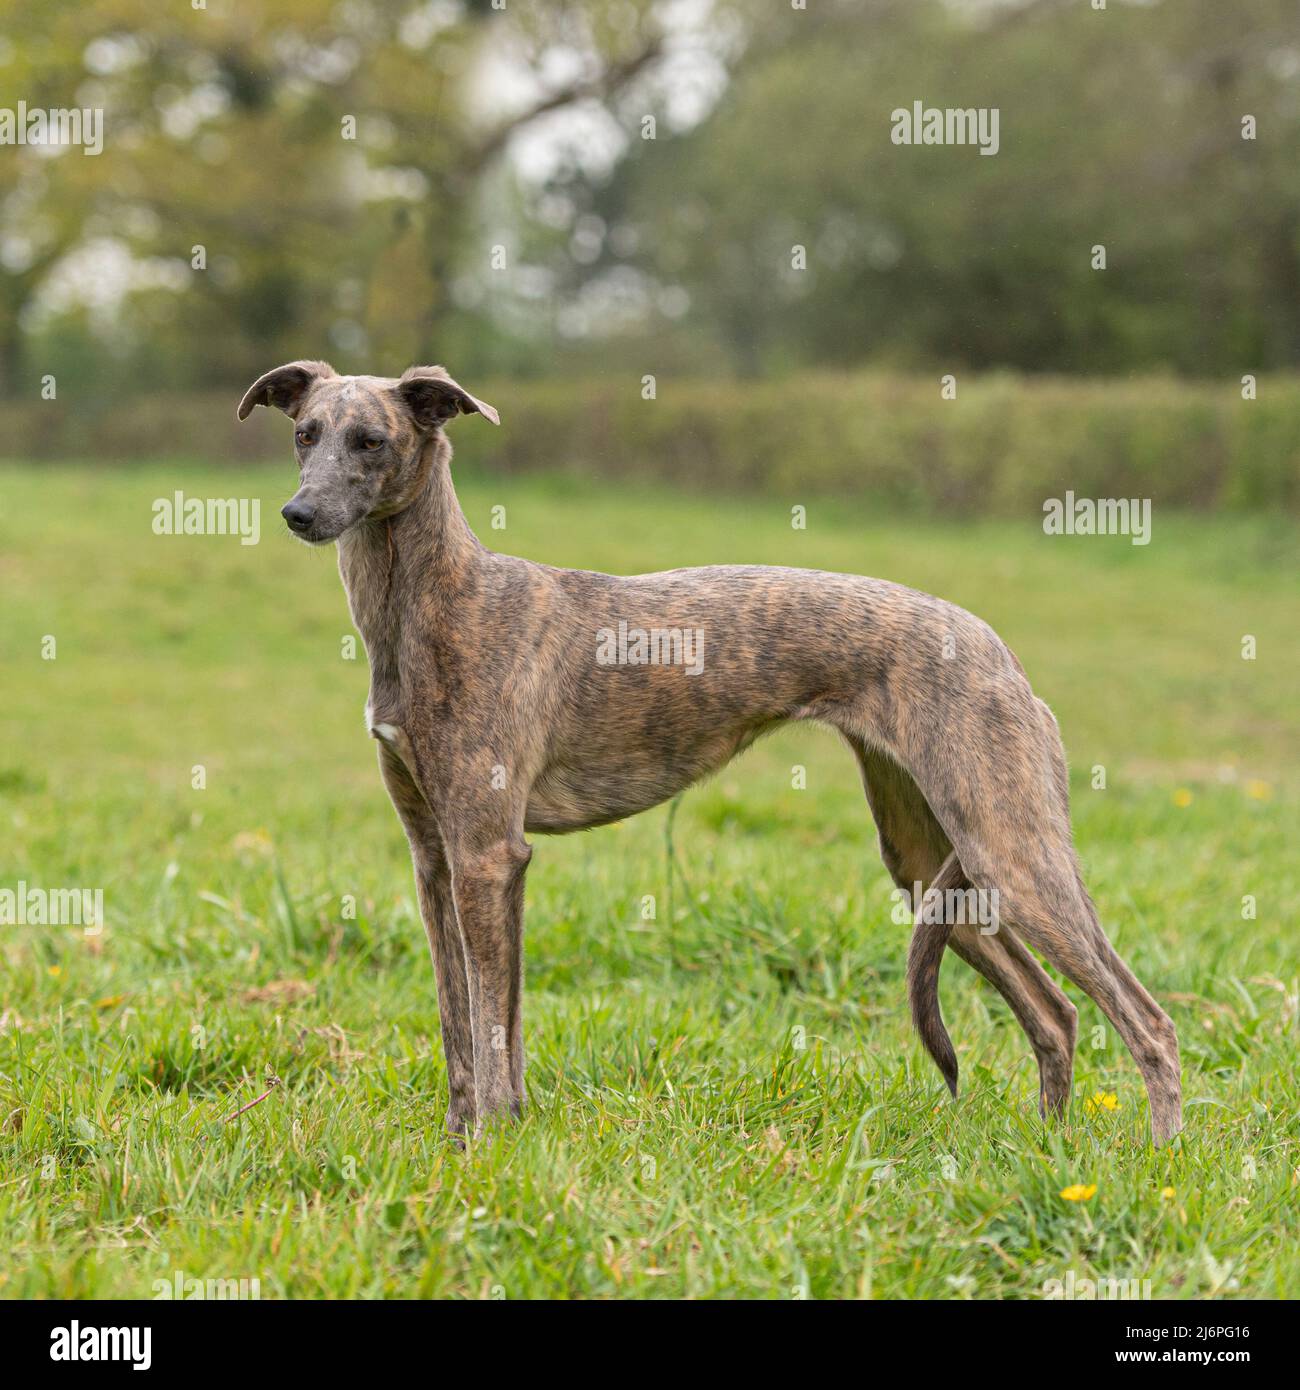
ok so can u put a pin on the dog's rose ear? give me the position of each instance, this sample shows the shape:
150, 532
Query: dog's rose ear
433, 397
284, 388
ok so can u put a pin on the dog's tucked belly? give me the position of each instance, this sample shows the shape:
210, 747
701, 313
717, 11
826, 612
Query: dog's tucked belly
588, 792
554, 809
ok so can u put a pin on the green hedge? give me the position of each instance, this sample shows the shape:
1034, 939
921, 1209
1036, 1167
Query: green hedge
1004, 443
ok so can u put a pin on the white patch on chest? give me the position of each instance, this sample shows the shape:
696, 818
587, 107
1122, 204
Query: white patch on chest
393, 736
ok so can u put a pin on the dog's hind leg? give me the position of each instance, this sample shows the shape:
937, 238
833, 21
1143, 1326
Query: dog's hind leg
1009, 818
914, 846
1045, 1013
1047, 903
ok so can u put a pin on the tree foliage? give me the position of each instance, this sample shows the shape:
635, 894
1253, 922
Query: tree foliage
296, 179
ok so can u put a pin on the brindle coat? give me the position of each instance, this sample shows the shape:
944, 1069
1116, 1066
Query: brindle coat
494, 718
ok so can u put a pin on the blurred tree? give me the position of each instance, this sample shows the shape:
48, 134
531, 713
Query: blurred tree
287, 178
1119, 128
306, 172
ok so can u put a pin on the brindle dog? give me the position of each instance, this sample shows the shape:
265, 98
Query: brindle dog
499, 710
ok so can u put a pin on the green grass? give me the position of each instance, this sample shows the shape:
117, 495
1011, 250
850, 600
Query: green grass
726, 1099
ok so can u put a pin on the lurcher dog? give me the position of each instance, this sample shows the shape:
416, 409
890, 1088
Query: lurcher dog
503, 704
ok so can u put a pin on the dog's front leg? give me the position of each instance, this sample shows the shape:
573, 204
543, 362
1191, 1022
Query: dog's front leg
487, 876
437, 908
433, 884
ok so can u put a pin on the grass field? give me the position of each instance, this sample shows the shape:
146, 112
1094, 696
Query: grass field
726, 1100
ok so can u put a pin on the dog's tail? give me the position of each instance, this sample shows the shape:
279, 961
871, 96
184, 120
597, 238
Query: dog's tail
929, 938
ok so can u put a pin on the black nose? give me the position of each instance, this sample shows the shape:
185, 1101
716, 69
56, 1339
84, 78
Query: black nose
299, 515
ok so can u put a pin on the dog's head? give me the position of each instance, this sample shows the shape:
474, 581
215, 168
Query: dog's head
360, 440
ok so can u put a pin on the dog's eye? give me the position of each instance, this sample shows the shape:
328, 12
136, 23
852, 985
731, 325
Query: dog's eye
304, 438
370, 445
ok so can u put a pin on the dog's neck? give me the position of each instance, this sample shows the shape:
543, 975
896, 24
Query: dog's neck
424, 548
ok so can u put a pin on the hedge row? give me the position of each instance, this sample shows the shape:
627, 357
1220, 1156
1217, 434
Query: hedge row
1002, 444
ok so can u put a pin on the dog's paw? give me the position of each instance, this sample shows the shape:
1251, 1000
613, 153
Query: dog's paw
459, 1124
